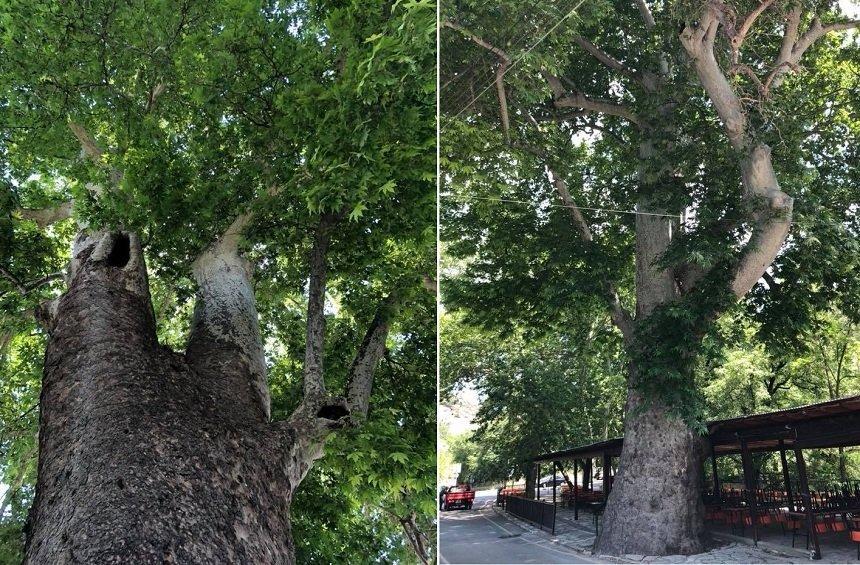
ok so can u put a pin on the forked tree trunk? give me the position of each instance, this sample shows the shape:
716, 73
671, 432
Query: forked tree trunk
143, 457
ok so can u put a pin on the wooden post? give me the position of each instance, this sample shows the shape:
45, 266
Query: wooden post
586, 475
807, 503
785, 476
717, 493
607, 470
537, 483
554, 474
749, 481
576, 488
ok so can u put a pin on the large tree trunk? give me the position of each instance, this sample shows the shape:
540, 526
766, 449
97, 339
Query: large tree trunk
655, 505
531, 480
143, 456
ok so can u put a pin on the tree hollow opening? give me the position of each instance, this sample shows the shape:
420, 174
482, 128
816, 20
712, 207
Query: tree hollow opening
120, 253
332, 412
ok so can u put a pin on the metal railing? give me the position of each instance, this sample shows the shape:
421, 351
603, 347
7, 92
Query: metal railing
536, 511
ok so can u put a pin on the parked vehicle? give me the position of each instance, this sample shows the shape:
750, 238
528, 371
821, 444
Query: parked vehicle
460, 496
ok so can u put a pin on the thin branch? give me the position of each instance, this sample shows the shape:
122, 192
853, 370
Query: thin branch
478, 40
620, 317
14, 280
371, 350
505, 61
740, 35
608, 60
26, 288
602, 56
503, 100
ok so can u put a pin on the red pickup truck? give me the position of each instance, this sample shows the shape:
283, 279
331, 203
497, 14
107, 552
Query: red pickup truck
460, 496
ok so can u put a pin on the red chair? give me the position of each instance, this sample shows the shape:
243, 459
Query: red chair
853, 524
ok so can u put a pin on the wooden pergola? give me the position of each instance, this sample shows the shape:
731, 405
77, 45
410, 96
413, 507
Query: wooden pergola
603, 451
830, 424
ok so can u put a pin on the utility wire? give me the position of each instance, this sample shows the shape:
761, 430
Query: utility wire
466, 200
518, 59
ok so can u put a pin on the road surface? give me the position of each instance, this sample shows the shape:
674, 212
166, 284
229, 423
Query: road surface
481, 535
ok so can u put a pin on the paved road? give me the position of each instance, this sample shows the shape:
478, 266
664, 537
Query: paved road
481, 535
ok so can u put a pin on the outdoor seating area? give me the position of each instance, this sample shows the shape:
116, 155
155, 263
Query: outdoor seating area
836, 512
789, 512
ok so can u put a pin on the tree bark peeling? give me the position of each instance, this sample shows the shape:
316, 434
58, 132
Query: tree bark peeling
225, 334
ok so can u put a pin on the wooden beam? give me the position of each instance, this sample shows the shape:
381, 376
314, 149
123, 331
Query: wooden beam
749, 481
607, 470
785, 476
714, 471
807, 503
575, 489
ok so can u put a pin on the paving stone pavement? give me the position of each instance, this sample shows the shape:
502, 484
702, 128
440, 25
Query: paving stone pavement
579, 535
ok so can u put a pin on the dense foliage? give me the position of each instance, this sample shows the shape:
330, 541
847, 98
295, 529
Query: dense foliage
200, 111
537, 394
525, 259
519, 264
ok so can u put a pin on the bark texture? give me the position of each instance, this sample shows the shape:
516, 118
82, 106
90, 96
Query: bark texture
658, 478
143, 459
655, 506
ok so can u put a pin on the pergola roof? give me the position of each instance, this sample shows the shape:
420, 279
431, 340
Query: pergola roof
833, 423
610, 447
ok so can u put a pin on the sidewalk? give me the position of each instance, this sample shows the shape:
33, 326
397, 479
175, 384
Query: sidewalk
579, 535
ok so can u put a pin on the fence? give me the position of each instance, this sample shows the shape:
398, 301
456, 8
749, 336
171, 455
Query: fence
535, 511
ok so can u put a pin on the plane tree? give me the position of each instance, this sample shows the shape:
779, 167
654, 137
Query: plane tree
171, 170
670, 159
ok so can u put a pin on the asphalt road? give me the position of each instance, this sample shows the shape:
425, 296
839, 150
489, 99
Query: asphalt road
481, 535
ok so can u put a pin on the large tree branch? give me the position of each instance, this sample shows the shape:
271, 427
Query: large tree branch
646, 14
312, 374
504, 62
45, 217
772, 216
94, 152
371, 350
794, 46
698, 41
565, 99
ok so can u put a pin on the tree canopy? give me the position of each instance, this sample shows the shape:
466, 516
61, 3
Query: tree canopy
543, 170
177, 119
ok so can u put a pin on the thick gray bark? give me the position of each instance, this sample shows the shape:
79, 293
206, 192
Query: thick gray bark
658, 472
657, 485
142, 459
